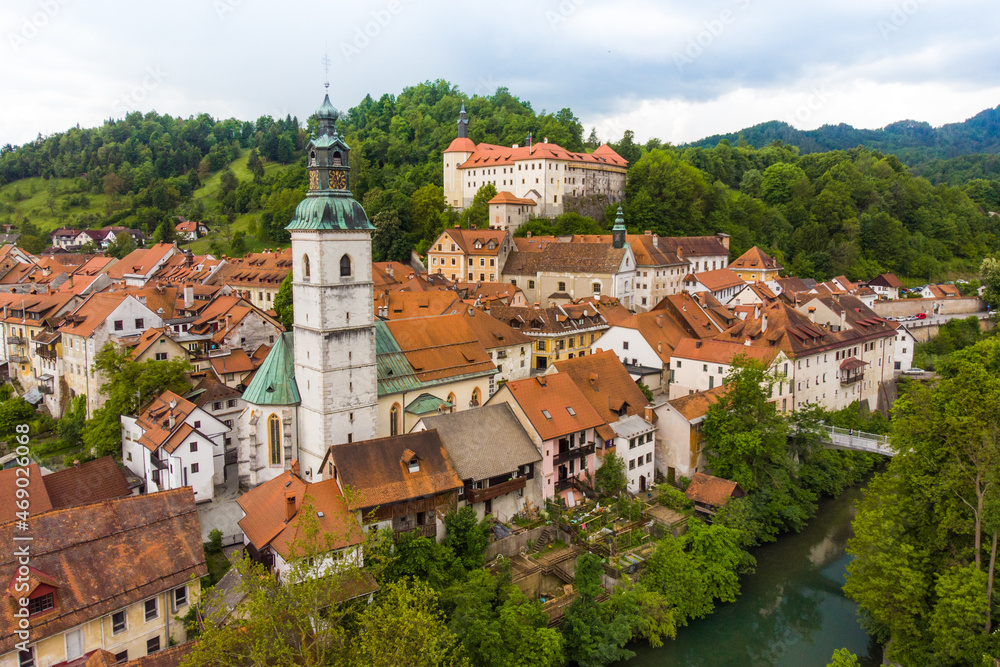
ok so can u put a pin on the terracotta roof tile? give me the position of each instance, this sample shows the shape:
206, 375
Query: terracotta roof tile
374, 469
93, 481
605, 383
568, 410
712, 490
106, 556
38, 494
755, 259
695, 406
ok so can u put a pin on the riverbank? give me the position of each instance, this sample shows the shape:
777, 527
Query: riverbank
792, 611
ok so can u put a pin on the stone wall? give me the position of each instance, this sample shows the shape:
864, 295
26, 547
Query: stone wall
511, 546
945, 306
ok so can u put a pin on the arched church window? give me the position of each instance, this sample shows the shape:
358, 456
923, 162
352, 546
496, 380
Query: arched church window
345, 267
394, 420
476, 398
312, 158
274, 439
337, 160
305, 267
451, 399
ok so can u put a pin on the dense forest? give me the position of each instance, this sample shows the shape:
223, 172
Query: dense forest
857, 212
917, 144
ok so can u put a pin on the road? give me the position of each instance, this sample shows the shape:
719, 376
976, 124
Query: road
937, 320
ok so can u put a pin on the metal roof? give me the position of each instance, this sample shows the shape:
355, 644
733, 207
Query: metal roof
427, 403
274, 382
329, 211
395, 374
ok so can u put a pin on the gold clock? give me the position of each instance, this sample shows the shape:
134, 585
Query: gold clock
338, 180
313, 180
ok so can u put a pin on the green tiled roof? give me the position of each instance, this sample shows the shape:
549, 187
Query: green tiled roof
322, 210
395, 374
274, 382
426, 403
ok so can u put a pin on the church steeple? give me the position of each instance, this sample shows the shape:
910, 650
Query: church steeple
463, 123
328, 204
618, 232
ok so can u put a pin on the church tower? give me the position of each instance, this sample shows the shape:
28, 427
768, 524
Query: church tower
460, 150
334, 329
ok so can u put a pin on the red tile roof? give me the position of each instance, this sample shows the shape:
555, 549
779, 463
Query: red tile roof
712, 490
568, 409
266, 521
492, 155
755, 259
37, 492
91, 482
104, 557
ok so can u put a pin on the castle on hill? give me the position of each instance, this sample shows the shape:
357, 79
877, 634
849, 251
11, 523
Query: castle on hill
535, 180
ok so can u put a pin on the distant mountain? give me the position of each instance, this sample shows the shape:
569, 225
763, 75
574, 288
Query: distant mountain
912, 141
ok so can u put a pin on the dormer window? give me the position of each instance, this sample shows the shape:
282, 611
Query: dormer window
413, 465
41, 603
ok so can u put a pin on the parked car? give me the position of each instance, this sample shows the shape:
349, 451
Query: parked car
914, 371
921, 316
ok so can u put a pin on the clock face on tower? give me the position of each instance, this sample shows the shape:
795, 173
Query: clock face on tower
313, 180
338, 180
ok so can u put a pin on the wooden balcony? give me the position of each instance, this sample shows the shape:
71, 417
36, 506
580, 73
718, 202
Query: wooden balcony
579, 452
568, 483
429, 531
386, 512
482, 495
18, 358
16, 340
851, 379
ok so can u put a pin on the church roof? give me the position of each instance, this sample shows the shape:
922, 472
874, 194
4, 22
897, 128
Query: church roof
274, 382
322, 211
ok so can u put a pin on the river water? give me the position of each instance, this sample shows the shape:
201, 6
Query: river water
792, 612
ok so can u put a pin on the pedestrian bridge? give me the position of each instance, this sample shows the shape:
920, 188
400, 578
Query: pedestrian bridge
859, 441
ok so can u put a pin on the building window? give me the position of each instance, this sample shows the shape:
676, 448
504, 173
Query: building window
152, 645
119, 325
151, 610
41, 603
217, 405
345, 267
394, 420
161, 356
625, 347
274, 439
531, 284
231, 403
26, 658
121, 657
119, 622
180, 597
562, 286
597, 288
193, 447
140, 323
194, 468
305, 267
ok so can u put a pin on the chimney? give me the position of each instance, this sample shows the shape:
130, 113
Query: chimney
648, 233
649, 414
188, 296
724, 238
545, 140
528, 235
295, 467
659, 321
514, 146
812, 314
659, 347
76, 464
289, 505
656, 241
763, 324
697, 345
593, 379
680, 252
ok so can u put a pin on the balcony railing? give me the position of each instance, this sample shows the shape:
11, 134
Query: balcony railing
16, 340
45, 353
851, 379
429, 531
18, 358
579, 452
481, 495
44, 389
568, 483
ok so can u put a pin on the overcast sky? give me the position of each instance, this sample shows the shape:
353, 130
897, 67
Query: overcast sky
676, 70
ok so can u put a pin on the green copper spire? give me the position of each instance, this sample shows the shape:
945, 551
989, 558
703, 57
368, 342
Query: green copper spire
619, 220
618, 231
328, 204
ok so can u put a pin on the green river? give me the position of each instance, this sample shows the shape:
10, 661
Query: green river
792, 612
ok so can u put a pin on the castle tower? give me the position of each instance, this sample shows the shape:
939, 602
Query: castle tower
460, 150
334, 330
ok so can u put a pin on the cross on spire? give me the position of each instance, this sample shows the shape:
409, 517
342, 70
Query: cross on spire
326, 71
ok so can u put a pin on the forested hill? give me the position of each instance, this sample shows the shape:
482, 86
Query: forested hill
915, 143
856, 212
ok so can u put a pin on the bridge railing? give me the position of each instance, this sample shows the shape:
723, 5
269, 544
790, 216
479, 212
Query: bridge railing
859, 440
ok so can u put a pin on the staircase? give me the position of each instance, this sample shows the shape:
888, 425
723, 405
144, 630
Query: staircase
544, 539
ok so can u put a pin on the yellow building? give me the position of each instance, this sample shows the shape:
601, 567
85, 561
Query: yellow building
755, 266
109, 576
469, 255
557, 332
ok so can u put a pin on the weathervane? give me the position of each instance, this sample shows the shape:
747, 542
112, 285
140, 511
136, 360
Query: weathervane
326, 70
